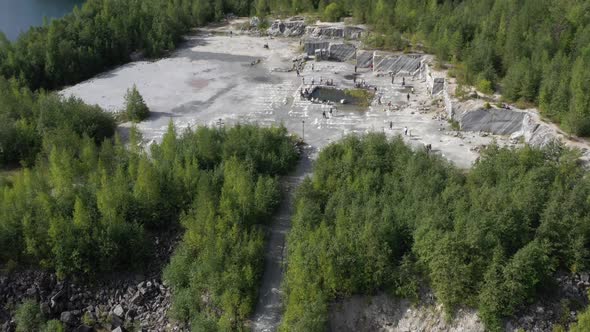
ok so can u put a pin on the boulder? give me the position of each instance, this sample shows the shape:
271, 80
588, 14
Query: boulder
118, 311
84, 328
116, 321
67, 317
137, 299
45, 308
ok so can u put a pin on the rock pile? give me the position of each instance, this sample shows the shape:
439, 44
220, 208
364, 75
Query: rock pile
122, 302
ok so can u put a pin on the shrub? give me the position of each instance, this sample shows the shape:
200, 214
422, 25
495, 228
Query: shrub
333, 12
135, 108
484, 86
53, 325
28, 316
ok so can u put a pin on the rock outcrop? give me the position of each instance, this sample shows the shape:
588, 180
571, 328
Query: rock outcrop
287, 28
386, 314
342, 52
494, 121
336, 31
402, 63
311, 46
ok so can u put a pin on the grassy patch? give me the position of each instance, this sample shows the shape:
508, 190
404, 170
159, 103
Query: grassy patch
361, 97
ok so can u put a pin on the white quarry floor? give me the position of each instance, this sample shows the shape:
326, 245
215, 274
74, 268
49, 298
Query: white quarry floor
212, 78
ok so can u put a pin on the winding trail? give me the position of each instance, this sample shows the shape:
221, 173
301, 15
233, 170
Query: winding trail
267, 315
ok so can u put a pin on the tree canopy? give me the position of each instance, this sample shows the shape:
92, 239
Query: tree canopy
378, 216
135, 108
85, 209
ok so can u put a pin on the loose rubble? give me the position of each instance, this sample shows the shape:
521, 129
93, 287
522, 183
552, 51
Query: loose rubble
122, 302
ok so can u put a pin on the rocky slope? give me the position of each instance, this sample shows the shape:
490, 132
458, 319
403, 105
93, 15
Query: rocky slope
558, 306
133, 302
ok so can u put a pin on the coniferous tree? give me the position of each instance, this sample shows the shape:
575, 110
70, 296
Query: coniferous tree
135, 108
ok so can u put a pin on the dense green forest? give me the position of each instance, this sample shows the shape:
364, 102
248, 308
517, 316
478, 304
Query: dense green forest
83, 209
26, 118
215, 271
378, 216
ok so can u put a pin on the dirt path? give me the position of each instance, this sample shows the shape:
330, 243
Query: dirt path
269, 307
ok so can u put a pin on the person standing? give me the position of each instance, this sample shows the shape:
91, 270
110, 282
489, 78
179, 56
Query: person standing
390, 125
405, 131
403, 81
408, 97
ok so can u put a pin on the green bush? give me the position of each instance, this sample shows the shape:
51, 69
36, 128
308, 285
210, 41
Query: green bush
135, 108
361, 97
333, 12
53, 326
28, 317
484, 86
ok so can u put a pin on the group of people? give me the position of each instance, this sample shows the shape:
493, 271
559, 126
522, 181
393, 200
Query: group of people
327, 82
325, 116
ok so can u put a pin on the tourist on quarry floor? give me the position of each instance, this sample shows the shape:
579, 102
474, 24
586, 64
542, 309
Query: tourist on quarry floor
392, 78
412, 90
390, 125
405, 131
324, 114
408, 97
355, 68
330, 111
303, 80
403, 81
312, 81
312, 67
231, 33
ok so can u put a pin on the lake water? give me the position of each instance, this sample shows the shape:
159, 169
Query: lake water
17, 16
